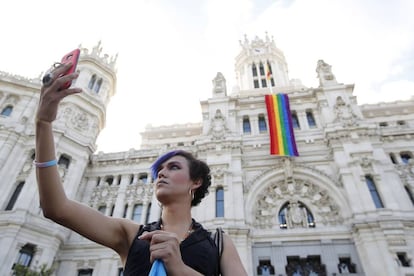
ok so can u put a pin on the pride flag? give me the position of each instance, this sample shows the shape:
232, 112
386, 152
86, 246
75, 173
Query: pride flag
268, 71
282, 137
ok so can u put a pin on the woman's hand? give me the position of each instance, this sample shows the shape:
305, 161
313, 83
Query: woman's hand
166, 247
51, 95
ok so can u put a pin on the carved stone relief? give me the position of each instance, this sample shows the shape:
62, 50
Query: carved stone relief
218, 127
271, 199
344, 113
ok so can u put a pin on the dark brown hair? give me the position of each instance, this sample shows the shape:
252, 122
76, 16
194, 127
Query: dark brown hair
199, 170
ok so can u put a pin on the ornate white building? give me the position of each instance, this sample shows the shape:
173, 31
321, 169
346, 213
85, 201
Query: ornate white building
344, 206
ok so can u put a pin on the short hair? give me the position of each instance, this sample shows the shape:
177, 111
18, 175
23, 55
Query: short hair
199, 170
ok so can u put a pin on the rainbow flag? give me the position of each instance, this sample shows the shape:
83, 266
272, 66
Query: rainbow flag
282, 137
268, 72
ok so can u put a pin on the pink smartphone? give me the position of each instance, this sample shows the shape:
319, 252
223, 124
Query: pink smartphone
73, 57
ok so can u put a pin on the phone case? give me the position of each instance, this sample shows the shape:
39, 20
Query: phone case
73, 57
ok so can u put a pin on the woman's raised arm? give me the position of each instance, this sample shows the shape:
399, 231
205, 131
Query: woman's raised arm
88, 222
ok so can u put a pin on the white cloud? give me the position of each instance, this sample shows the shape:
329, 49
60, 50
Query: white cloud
169, 53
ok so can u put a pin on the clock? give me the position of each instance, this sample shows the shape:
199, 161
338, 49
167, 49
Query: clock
258, 50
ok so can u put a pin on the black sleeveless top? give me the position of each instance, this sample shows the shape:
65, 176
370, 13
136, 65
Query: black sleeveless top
198, 251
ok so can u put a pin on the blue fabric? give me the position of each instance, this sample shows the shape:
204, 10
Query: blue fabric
158, 269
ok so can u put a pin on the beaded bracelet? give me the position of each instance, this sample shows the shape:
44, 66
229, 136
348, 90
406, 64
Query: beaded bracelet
45, 164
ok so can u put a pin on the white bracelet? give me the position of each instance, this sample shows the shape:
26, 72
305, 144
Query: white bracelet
45, 164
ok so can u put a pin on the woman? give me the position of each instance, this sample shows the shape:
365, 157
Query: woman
181, 181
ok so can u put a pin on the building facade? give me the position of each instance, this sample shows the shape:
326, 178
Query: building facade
344, 206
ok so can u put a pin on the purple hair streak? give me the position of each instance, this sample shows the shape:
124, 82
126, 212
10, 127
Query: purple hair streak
162, 159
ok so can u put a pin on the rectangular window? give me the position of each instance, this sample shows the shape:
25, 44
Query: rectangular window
264, 83
26, 254
346, 266
137, 213
374, 192
311, 119
85, 272
256, 83
246, 125
295, 120
262, 124
219, 203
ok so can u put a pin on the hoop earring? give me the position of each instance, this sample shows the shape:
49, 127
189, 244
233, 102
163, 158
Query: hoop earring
192, 195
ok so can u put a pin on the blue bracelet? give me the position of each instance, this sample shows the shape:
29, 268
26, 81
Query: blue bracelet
45, 164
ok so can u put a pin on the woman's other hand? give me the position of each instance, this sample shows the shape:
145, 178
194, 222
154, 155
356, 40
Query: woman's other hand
166, 247
51, 95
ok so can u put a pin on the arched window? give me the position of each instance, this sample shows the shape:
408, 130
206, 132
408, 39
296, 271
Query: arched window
405, 157
261, 69
109, 180
98, 86
64, 161
26, 254
246, 125
374, 192
92, 81
219, 202
143, 177
295, 120
295, 214
262, 123
254, 70
311, 119
15, 196
7, 111
137, 213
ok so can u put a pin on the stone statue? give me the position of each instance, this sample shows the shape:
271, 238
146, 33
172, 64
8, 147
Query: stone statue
325, 74
296, 215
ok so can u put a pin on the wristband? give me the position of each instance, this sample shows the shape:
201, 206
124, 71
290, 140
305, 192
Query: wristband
45, 164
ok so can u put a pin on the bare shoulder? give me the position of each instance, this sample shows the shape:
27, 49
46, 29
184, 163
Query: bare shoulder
230, 262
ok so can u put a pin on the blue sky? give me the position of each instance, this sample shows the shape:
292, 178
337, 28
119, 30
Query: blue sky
169, 51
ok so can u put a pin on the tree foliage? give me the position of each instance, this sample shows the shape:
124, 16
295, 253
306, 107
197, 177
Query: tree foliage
21, 270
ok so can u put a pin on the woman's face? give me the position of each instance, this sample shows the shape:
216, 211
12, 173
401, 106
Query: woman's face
173, 180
